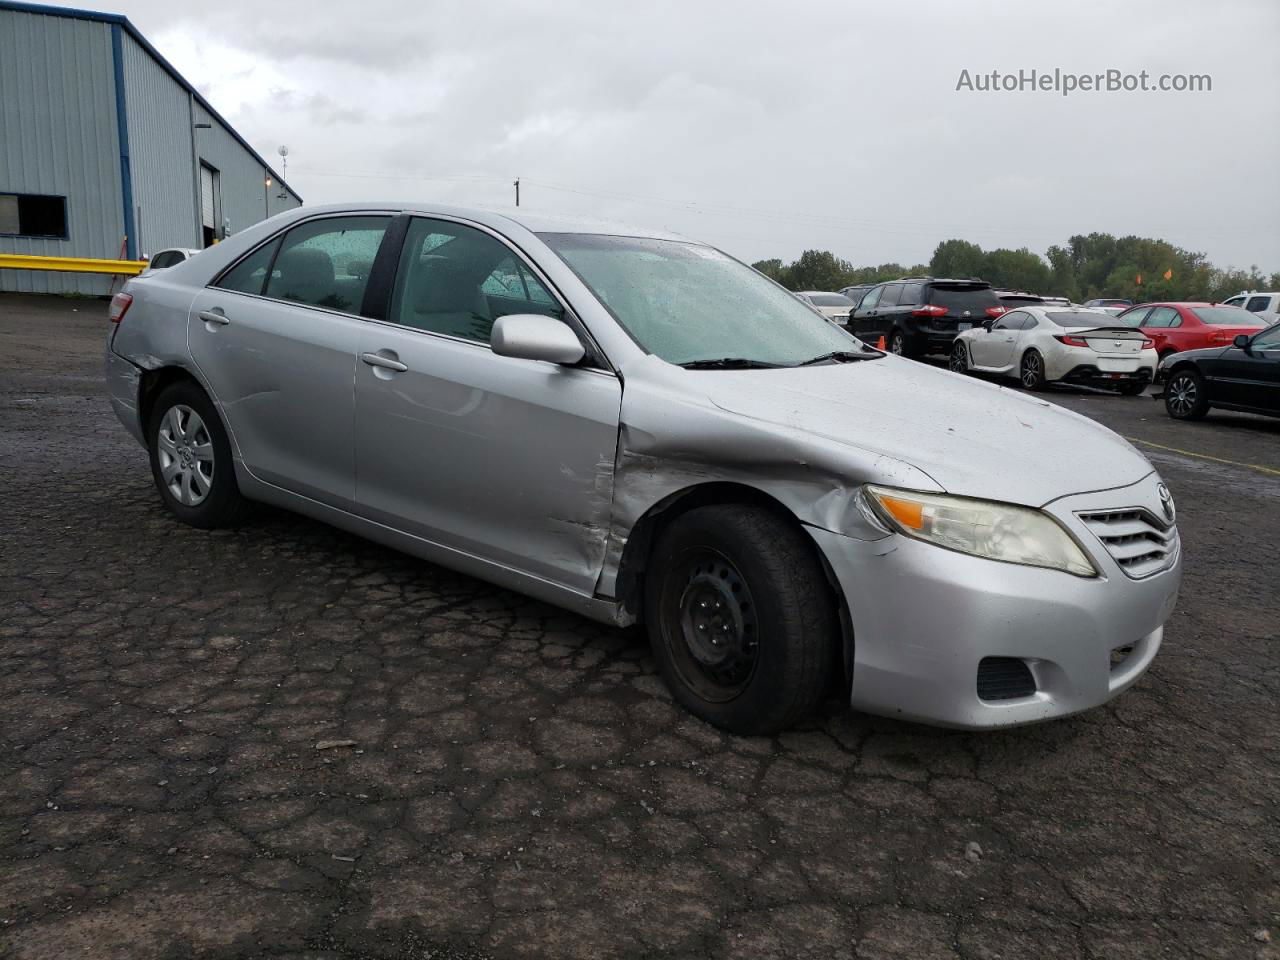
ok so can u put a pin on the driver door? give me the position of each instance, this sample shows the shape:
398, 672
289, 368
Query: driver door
500, 458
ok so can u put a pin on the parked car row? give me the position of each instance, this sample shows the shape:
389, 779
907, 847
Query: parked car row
1106, 342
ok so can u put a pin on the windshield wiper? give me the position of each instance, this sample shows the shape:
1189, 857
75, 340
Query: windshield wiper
841, 356
728, 363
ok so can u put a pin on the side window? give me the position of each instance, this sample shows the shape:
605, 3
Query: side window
890, 296
164, 259
457, 280
250, 274
326, 263
912, 294
1025, 322
1267, 340
871, 299
1135, 317
1258, 304
1161, 317
1235, 302
1010, 321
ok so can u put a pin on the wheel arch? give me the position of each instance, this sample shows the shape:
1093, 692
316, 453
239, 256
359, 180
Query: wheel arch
153, 382
645, 532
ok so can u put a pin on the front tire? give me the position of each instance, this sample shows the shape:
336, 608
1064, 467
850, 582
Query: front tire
900, 345
741, 618
191, 459
959, 358
1031, 371
1184, 395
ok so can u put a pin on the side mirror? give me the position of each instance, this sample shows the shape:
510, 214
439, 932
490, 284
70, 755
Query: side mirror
532, 336
986, 324
1242, 341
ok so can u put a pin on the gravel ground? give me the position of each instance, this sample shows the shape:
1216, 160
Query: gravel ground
501, 779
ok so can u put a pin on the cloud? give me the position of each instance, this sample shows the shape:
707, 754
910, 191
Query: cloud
766, 128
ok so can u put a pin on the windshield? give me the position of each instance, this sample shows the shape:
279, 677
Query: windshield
1073, 318
686, 302
1225, 316
829, 300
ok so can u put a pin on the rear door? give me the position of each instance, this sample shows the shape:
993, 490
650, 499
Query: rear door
275, 337
504, 459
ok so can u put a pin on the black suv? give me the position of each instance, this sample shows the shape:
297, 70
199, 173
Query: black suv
919, 315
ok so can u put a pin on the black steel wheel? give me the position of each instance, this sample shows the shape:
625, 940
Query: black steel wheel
742, 621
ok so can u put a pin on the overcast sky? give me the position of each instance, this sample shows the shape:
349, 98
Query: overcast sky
765, 128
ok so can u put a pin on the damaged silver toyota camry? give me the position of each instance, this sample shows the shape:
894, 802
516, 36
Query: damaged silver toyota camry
642, 429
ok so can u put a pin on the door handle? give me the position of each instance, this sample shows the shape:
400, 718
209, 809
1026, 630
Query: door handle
377, 360
210, 316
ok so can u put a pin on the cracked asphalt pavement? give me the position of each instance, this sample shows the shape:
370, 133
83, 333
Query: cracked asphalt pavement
509, 780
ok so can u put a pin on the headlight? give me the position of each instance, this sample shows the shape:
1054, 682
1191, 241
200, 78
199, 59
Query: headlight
997, 531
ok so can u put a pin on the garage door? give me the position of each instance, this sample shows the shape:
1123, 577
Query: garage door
206, 197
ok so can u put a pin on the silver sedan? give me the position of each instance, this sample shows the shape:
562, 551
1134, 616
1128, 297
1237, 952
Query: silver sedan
640, 428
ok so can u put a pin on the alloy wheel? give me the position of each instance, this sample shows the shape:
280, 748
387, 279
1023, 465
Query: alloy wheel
1030, 370
185, 451
896, 345
959, 359
1182, 395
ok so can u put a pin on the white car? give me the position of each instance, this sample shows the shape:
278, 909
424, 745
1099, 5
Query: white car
169, 257
1265, 305
1040, 345
836, 307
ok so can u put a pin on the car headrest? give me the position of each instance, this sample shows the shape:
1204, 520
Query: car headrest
304, 270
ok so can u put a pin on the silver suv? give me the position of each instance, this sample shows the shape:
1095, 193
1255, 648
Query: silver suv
640, 428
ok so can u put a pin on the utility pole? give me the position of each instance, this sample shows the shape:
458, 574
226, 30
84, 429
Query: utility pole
517, 186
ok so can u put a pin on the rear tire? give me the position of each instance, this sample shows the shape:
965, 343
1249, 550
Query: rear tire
741, 618
1184, 395
191, 459
1031, 371
1133, 389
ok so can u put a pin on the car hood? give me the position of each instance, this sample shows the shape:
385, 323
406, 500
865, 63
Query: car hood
973, 438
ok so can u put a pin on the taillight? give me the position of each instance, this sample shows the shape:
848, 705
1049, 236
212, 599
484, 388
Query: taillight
1147, 344
119, 306
996, 311
1071, 341
1220, 338
930, 311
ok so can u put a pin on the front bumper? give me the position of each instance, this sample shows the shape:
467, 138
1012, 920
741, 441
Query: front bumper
924, 618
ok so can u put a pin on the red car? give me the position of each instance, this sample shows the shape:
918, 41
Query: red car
1175, 327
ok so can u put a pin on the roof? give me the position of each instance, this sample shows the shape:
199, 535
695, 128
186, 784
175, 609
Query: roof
122, 21
492, 215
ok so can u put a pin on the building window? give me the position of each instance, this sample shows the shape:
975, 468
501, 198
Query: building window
33, 215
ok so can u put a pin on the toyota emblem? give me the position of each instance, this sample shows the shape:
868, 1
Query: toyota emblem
1166, 501
1117, 342
966, 313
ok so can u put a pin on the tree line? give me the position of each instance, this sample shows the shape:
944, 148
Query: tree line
1097, 265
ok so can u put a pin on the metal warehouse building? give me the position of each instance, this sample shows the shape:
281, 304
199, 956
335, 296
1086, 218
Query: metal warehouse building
107, 152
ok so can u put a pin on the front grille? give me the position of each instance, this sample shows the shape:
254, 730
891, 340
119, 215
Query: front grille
1004, 678
1139, 542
